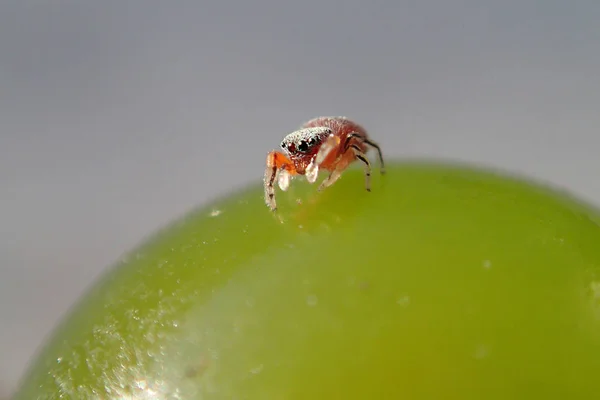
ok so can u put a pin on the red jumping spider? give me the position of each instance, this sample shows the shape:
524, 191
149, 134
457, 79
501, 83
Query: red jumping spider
330, 143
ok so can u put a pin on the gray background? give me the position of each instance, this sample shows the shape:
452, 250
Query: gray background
118, 116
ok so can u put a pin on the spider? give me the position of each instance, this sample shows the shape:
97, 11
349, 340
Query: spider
330, 143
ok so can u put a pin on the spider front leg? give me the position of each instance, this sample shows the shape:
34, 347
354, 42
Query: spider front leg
277, 164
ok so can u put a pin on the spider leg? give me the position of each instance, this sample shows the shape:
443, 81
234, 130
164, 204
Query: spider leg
330, 180
368, 142
379, 154
363, 158
352, 152
336, 173
270, 173
276, 163
351, 144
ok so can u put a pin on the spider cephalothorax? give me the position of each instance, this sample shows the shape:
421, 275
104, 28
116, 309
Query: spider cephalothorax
302, 145
330, 143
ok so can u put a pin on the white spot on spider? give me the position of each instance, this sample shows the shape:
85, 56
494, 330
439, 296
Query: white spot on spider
284, 180
215, 213
487, 264
312, 171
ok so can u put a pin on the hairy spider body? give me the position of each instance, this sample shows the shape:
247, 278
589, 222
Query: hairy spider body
329, 143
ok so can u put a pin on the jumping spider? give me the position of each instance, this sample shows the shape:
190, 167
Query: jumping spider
330, 143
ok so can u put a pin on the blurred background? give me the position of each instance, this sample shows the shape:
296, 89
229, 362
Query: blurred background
118, 116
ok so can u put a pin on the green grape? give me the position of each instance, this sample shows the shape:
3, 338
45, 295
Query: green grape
443, 282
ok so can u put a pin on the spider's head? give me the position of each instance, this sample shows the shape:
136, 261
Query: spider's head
303, 144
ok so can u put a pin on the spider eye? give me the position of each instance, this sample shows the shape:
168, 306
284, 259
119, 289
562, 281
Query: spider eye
283, 145
303, 146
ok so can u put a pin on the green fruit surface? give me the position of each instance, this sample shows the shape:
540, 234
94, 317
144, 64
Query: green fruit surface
443, 282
